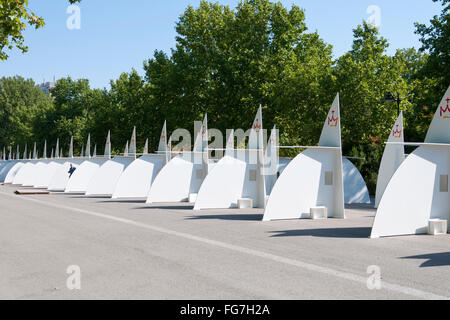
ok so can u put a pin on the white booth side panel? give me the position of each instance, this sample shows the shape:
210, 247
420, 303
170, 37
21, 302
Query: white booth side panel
36, 173
5, 170
355, 189
224, 185
61, 176
13, 172
105, 179
80, 179
173, 183
413, 196
303, 186
43, 181
20, 177
136, 180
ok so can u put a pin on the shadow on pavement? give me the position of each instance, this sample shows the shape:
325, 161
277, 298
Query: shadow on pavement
349, 233
433, 260
123, 201
232, 217
168, 207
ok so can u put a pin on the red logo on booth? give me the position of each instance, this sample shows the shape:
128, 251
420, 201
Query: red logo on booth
257, 126
397, 133
445, 112
333, 121
203, 131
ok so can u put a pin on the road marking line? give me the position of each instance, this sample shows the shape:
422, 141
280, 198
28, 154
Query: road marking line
260, 254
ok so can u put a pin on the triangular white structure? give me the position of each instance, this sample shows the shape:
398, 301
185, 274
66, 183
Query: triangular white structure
71, 148
132, 151
393, 157
88, 147
44, 155
145, 152
418, 191
108, 146
57, 149
35, 153
238, 175
126, 151
314, 178
137, 178
25, 152
182, 177
272, 160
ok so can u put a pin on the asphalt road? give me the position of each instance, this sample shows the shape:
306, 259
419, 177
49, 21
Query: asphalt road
130, 250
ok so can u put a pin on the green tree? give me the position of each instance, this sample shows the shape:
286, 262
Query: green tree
227, 62
122, 108
15, 15
364, 77
69, 114
435, 40
20, 102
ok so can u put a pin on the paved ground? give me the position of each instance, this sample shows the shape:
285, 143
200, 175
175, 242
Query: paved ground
129, 250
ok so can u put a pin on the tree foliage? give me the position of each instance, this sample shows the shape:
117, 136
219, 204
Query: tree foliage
15, 16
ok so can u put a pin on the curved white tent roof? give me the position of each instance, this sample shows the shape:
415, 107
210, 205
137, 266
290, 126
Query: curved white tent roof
13, 171
5, 169
393, 157
314, 178
24, 172
418, 191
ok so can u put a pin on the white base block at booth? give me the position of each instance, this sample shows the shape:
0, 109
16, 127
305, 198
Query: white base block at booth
193, 197
245, 203
319, 213
437, 227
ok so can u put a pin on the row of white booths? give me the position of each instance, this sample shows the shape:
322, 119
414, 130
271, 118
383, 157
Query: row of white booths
411, 190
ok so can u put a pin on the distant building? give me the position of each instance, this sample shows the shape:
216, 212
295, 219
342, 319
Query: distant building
46, 86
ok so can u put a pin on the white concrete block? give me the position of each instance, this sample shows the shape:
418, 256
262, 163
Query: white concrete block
437, 227
318, 213
245, 203
193, 197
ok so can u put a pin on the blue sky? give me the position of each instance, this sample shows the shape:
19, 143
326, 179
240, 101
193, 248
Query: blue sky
116, 36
